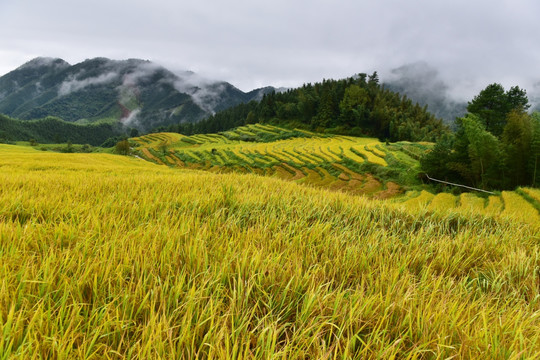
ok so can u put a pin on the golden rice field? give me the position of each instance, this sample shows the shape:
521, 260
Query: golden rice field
509, 205
336, 162
341, 163
111, 257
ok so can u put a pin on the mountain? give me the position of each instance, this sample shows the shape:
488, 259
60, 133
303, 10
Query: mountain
421, 83
137, 93
357, 106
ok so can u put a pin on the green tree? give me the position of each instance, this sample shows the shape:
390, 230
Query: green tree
517, 99
122, 147
68, 148
373, 80
534, 158
483, 151
354, 107
306, 104
435, 163
492, 105
516, 138
251, 118
326, 112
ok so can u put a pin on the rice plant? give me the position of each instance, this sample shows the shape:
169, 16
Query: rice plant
110, 257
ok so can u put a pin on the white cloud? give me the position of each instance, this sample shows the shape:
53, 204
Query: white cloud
204, 92
132, 120
74, 84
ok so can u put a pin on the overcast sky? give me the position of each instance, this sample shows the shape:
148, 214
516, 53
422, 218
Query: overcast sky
252, 43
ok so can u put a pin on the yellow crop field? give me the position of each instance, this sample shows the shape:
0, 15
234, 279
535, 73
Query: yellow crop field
470, 203
510, 205
442, 202
370, 156
418, 202
264, 149
109, 257
534, 193
517, 207
495, 205
106, 257
339, 163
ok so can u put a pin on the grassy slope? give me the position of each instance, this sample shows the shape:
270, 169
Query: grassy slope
104, 256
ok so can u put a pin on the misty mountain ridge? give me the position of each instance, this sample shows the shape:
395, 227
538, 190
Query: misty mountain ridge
137, 93
422, 84
144, 95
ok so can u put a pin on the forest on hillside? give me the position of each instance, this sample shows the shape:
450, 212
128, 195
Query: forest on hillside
357, 106
496, 145
55, 130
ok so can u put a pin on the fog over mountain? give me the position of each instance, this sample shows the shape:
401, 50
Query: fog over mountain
251, 44
423, 84
138, 93
143, 95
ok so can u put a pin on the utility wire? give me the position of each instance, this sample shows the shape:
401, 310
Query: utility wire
464, 186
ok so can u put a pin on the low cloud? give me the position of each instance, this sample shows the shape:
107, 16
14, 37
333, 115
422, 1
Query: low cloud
141, 71
132, 120
72, 85
128, 90
206, 93
422, 83
534, 97
419, 76
39, 87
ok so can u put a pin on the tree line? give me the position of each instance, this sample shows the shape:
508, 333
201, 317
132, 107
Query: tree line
357, 106
496, 145
55, 130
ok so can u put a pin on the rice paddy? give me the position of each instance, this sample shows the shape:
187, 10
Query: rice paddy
113, 257
323, 161
509, 205
338, 163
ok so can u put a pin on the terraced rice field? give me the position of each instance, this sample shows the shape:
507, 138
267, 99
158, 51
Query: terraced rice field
340, 163
508, 205
335, 162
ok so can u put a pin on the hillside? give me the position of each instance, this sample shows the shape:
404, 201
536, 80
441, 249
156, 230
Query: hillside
142, 95
54, 130
138, 93
342, 163
105, 256
357, 106
358, 166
